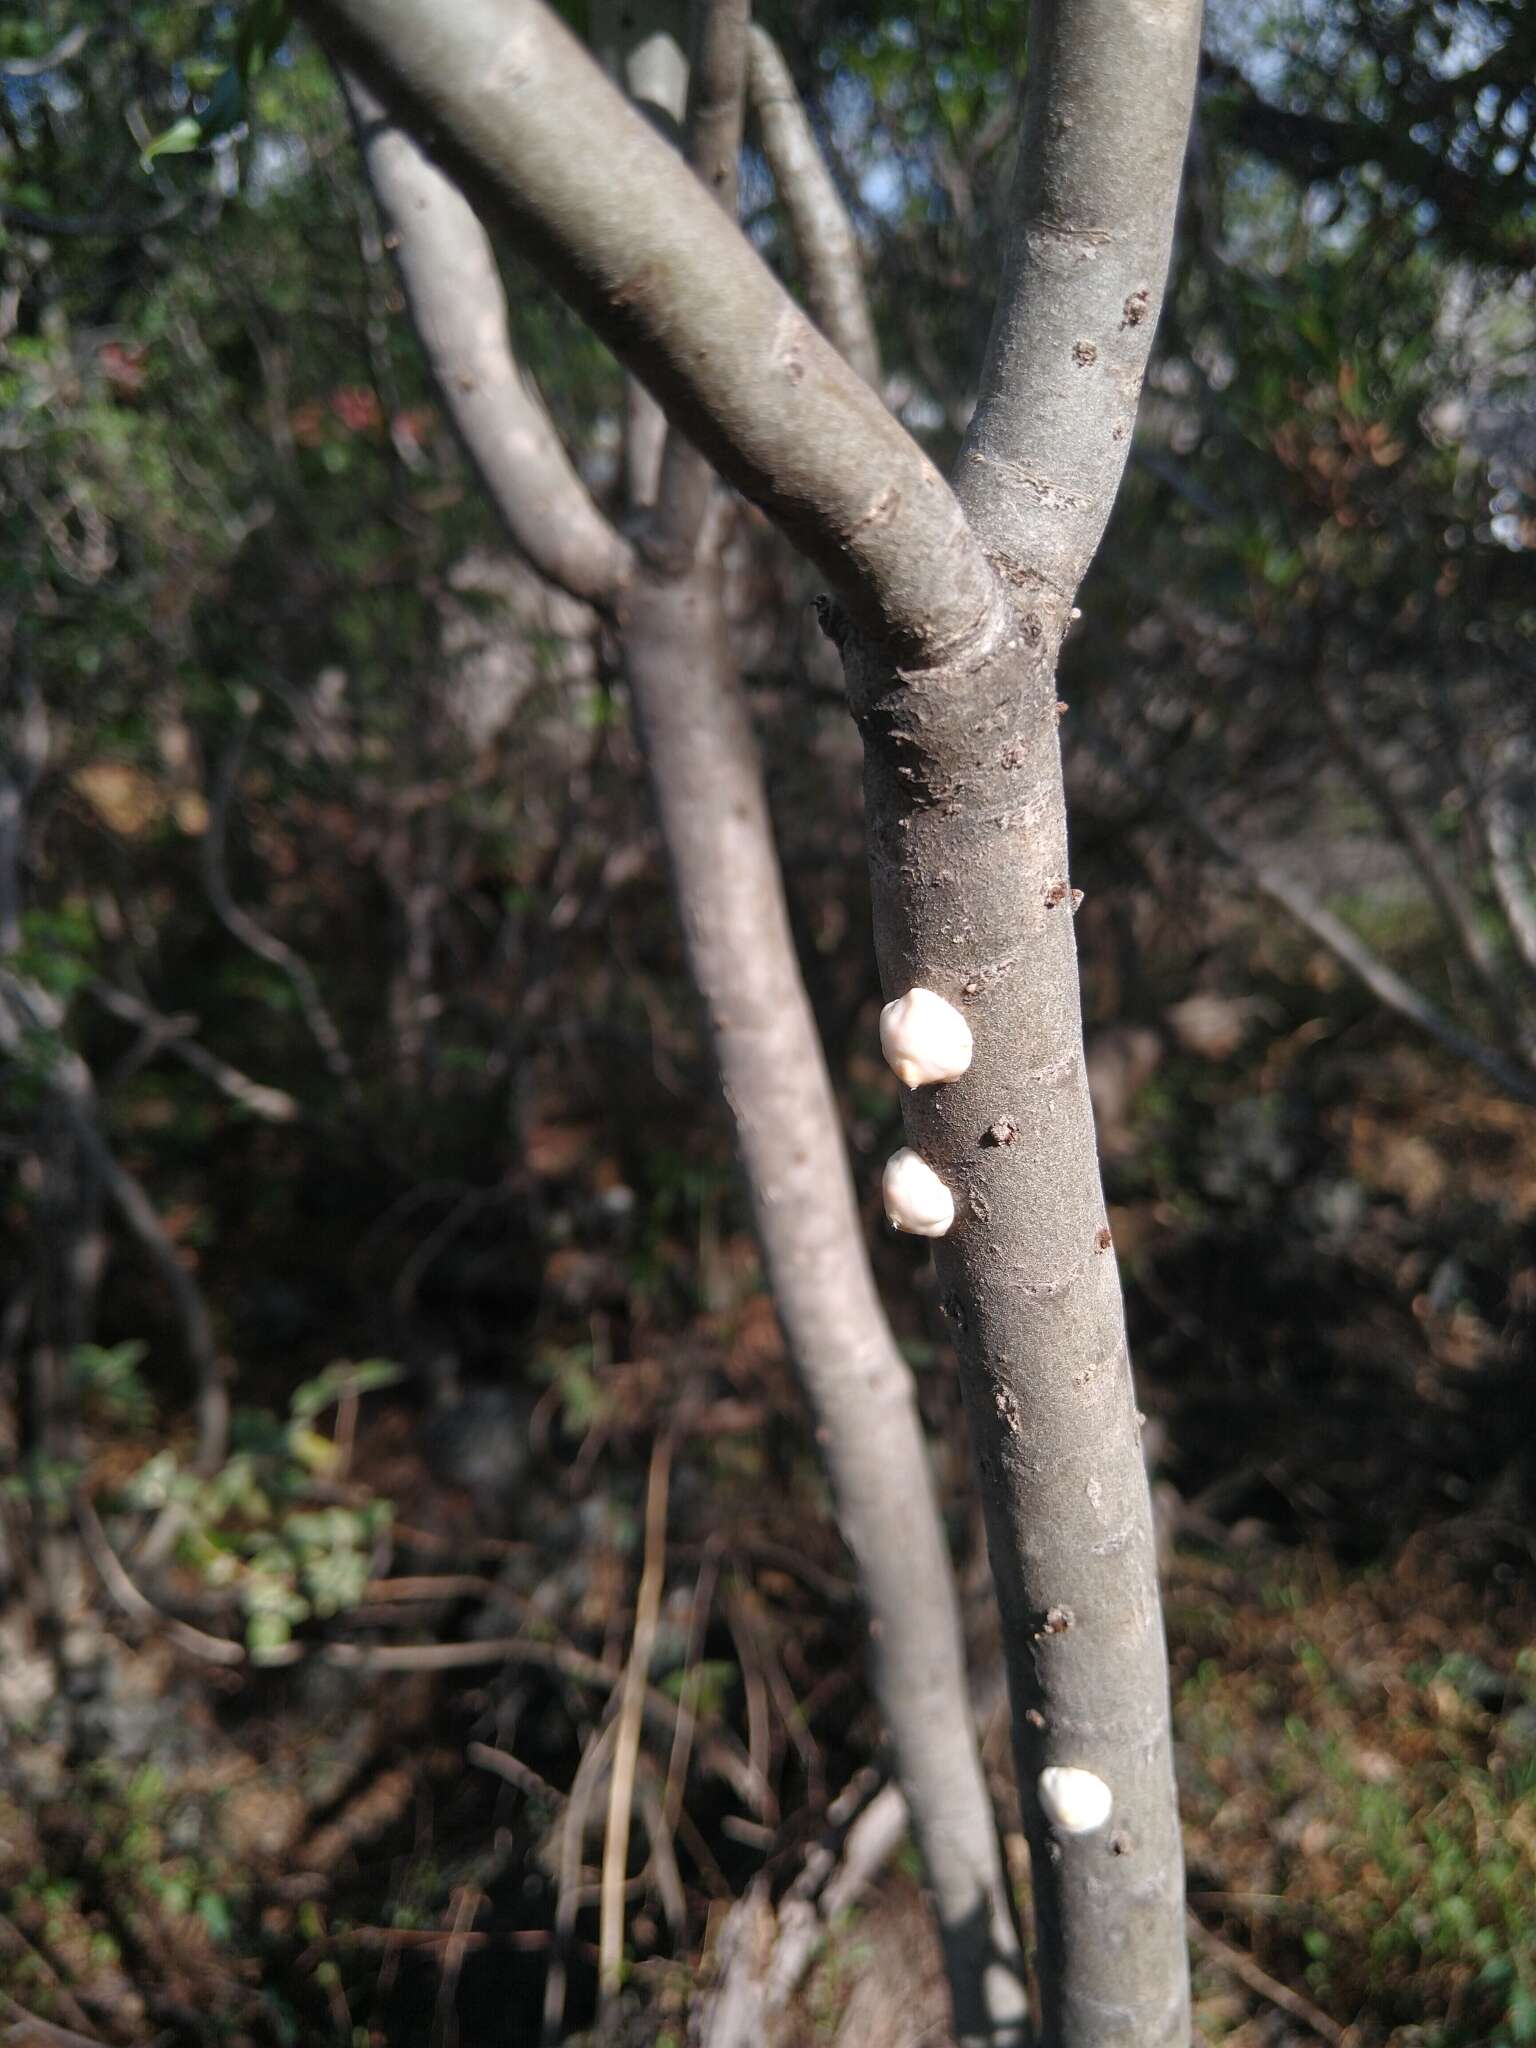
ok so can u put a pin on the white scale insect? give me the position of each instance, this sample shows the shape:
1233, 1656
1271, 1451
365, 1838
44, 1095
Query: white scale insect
1076, 1801
925, 1040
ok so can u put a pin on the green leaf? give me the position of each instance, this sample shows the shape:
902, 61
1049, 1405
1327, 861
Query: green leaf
214, 1913
263, 28
181, 137
337, 1381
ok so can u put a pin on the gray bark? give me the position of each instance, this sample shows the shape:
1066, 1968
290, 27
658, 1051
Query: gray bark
713, 811
951, 675
823, 235
685, 302
968, 857
717, 83
458, 307
1106, 117
710, 798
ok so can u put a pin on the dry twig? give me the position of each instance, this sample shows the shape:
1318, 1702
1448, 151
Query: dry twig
621, 1787
1258, 1980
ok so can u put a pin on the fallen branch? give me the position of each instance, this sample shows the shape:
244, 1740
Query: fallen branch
719, 1753
621, 1783
1258, 1980
13, 1938
762, 1956
589, 1773
127, 1596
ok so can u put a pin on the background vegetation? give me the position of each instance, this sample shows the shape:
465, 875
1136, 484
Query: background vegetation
353, 1085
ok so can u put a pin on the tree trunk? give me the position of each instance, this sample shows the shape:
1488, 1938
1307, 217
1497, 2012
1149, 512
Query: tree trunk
951, 608
968, 858
709, 795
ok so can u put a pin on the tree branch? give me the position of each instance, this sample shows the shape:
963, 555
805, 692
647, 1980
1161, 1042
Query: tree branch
1504, 833
636, 48
696, 731
823, 234
621, 1783
109, 226
266, 945
1456, 910
274, 1105
685, 302
1347, 947
965, 815
23, 757
28, 1011
717, 85
459, 310
1106, 117
70, 44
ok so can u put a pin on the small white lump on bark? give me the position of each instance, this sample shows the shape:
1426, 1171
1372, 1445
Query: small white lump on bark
915, 1198
1075, 1801
924, 1038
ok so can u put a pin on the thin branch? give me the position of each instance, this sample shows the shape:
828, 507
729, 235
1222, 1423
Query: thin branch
661, 1866
682, 1735
717, 85
459, 310
1456, 910
719, 1753
1346, 945
70, 44
685, 301
466, 1903
1106, 116
28, 2031
512, 1771
1497, 827
23, 757
621, 1783
45, 2031
636, 48
824, 238
26, 1011
127, 1596
588, 1777
264, 944
273, 1105
1504, 832
108, 226
1248, 1972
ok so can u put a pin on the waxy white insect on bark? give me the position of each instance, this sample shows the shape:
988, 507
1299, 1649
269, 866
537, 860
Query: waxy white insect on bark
1073, 1800
915, 1198
924, 1038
